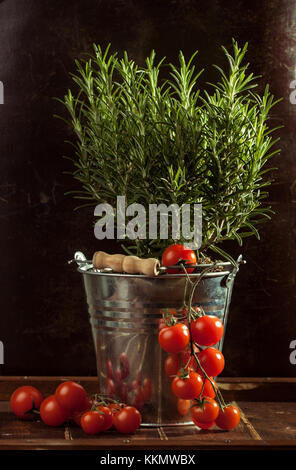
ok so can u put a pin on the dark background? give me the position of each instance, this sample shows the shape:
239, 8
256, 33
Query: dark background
43, 318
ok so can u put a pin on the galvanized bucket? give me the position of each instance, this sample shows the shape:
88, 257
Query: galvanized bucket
124, 314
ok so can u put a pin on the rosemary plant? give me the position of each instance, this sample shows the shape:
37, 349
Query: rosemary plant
164, 141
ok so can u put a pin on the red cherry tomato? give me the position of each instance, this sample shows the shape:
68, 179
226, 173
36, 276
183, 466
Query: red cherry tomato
212, 361
205, 413
172, 365
92, 422
187, 388
228, 418
207, 330
108, 417
185, 356
205, 425
183, 406
174, 339
52, 413
116, 407
25, 399
173, 254
161, 324
71, 396
127, 420
208, 390
77, 414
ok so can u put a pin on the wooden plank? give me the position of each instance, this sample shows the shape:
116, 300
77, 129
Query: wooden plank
263, 424
240, 389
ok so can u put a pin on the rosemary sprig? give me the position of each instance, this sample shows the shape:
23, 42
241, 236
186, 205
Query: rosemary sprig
166, 141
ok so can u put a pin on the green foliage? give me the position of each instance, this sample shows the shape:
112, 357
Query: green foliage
163, 141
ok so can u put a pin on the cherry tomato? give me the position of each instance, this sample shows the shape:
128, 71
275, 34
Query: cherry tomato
174, 339
52, 413
207, 412
108, 417
185, 356
127, 420
116, 407
92, 422
172, 365
212, 361
76, 415
25, 399
161, 324
228, 418
173, 254
205, 425
207, 330
187, 388
71, 396
183, 406
208, 390
147, 390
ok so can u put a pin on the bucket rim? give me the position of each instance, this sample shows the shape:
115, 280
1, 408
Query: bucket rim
97, 272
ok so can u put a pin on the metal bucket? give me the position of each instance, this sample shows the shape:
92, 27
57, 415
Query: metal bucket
124, 314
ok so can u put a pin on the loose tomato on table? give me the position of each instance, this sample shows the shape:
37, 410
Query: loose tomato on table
92, 422
24, 400
207, 330
174, 339
127, 420
212, 361
189, 387
228, 418
76, 415
71, 396
52, 413
173, 254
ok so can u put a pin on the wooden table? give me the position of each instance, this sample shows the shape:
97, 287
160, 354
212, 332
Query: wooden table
268, 421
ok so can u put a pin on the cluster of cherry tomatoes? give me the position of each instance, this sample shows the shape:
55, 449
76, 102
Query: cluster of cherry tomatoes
192, 361
192, 370
132, 390
70, 402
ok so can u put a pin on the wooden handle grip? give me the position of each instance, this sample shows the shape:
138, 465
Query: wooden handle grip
128, 264
103, 260
134, 265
